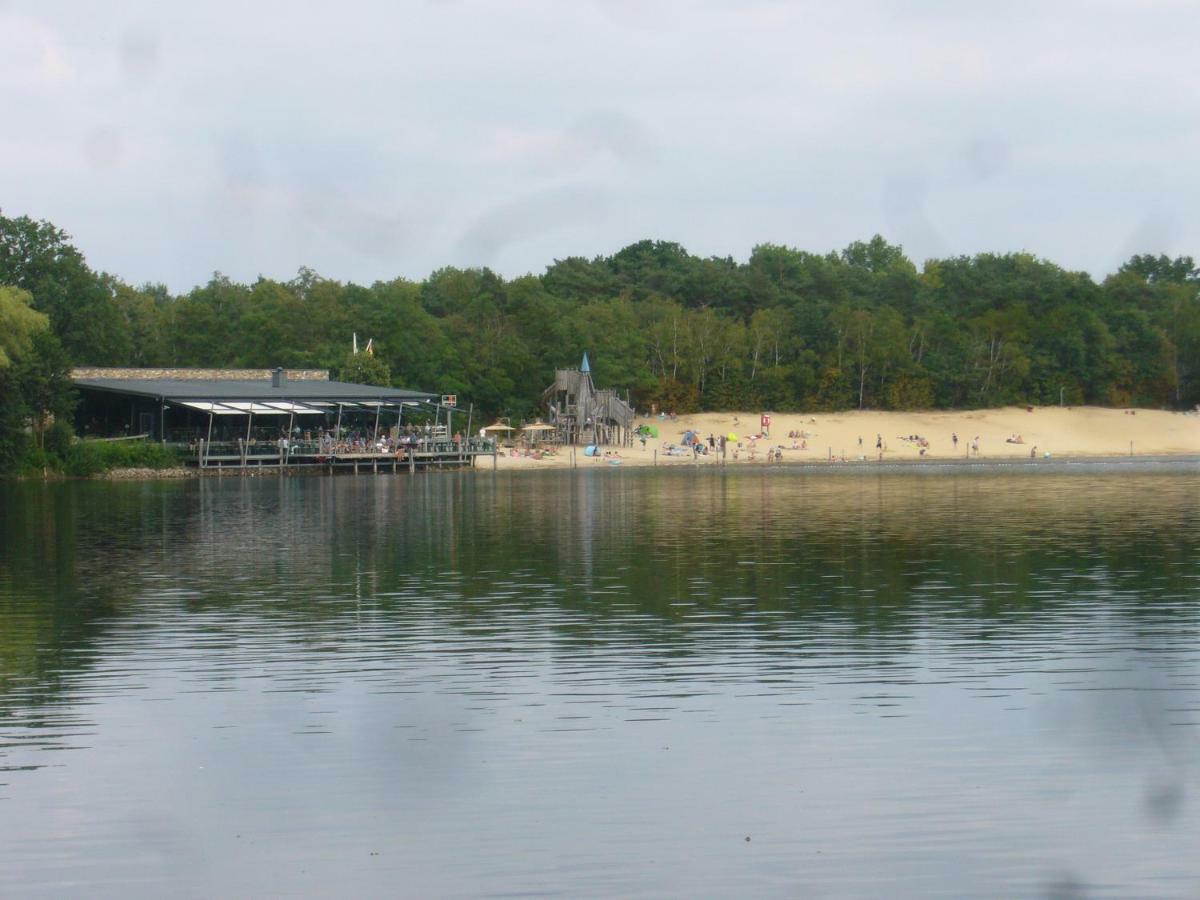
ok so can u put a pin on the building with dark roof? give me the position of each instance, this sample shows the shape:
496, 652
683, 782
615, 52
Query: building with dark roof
181, 405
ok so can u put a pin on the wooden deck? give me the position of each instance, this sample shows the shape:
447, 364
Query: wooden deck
426, 455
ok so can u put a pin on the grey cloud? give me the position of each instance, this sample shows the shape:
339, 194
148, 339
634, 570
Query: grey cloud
103, 147
139, 53
986, 156
617, 133
530, 216
375, 138
1156, 231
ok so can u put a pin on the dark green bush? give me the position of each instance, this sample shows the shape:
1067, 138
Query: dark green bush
86, 458
58, 439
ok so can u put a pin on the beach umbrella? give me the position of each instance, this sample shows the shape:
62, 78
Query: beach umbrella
499, 426
652, 430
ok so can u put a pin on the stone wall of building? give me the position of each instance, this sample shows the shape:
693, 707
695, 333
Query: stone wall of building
199, 374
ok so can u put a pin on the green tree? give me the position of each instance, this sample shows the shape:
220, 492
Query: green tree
44, 380
206, 327
39, 258
35, 387
1168, 291
364, 368
19, 322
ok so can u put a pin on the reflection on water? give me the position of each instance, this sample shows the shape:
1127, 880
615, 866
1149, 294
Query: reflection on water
603, 683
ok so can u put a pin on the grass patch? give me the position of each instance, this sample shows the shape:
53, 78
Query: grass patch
83, 458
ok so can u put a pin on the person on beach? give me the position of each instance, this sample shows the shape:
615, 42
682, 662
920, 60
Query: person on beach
879, 442
954, 439
975, 445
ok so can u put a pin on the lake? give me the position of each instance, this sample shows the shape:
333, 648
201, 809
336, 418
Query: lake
773, 683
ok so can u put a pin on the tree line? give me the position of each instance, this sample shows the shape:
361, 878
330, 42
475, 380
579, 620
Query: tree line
860, 328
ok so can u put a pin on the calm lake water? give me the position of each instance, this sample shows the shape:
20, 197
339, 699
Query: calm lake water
604, 683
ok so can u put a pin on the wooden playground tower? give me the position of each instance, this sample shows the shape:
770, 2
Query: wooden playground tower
582, 414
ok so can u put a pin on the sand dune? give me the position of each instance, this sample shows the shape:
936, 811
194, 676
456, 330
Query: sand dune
1062, 433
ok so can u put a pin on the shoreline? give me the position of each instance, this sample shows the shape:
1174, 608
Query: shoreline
849, 466
904, 438
1016, 436
930, 465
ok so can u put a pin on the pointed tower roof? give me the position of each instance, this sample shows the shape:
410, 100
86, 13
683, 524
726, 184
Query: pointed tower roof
585, 367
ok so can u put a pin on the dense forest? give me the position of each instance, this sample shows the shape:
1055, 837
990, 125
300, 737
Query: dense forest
862, 328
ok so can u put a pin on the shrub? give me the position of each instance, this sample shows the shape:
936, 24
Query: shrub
85, 458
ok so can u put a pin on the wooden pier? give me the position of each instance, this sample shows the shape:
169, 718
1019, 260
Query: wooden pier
240, 456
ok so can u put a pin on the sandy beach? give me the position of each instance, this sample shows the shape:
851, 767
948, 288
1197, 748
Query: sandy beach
824, 438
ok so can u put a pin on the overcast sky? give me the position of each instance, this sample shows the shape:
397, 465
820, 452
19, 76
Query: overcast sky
370, 140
